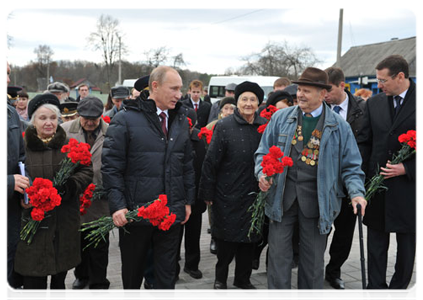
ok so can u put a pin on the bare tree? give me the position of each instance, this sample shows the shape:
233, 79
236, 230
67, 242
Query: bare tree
106, 39
156, 57
279, 60
44, 57
178, 61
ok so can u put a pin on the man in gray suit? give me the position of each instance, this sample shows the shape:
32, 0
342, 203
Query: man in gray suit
326, 157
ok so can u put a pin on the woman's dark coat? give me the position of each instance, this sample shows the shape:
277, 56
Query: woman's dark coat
56, 245
227, 177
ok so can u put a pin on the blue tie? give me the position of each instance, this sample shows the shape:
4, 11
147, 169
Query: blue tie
398, 104
337, 109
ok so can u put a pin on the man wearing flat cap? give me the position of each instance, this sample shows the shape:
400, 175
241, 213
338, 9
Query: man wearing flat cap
68, 111
326, 158
90, 128
60, 90
118, 94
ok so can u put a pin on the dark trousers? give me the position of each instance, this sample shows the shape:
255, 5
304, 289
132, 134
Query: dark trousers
134, 246
93, 266
192, 230
33, 283
340, 246
243, 253
10, 256
377, 248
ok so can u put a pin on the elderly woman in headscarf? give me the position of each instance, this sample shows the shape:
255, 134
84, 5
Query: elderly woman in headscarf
227, 182
55, 247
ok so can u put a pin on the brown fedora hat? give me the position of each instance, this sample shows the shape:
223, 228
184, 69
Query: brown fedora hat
315, 77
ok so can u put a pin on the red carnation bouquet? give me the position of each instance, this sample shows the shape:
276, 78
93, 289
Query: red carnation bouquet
77, 153
91, 193
42, 193
190, 123
266, 113
207, 133
156, 212
408, 141
43, 197
273, 163
106, 119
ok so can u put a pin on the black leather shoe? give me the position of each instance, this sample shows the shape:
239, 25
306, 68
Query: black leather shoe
256, 264
150, 288
100, 292
336, 283
213, 247
79, 284
196, 274
245, 286
17, 293
219, 285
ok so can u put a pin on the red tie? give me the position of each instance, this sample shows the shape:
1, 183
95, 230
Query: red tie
163, 117
196, 107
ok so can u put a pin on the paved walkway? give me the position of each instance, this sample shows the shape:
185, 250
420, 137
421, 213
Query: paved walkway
351, 271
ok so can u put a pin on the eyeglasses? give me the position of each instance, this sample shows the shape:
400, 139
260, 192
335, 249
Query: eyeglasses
383, 81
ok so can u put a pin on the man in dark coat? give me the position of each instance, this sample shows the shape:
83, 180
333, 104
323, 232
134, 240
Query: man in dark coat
194, 101
388, 115
16, 185
351, 109
147, 152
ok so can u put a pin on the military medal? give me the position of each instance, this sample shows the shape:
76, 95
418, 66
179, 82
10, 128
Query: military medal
310, 152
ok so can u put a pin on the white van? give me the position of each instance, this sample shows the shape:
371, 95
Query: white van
217, 84
129, 82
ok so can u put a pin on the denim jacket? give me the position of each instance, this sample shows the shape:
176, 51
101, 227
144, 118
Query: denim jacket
339, 164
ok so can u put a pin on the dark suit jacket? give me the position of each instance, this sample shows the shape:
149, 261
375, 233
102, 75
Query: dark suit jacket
393, 210
203, 112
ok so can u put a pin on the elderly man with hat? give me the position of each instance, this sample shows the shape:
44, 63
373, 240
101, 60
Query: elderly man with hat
118, 94
326, 158
68, 111
90, 128
60, 90
228, 185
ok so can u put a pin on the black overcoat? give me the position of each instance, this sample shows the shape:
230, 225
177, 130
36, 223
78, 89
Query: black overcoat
395, 209
227, 176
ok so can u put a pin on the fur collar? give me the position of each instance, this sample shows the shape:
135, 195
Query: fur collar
35, 144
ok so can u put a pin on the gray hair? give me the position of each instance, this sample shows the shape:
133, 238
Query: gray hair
51, 107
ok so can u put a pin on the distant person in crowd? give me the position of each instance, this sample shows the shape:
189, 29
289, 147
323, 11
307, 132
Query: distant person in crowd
201, 108
279, 99
153, 135
22, 105
363, 93
215, 109
16, 185
68, 111
12, 94
117, 95
134, 93
227, 107
141, 85
388, 115
206, 96
351, 109
59, 89
55, 248
83, 91
227, 182
90, 128
191, 231
326, 157
281, 83
292, 90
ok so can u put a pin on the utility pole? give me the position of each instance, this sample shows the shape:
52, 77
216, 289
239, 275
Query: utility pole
338, 54
120, 62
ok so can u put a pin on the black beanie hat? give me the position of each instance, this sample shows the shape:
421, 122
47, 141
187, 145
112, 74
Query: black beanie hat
248, 86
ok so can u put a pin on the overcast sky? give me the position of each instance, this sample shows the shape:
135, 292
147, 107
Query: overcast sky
211, 40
